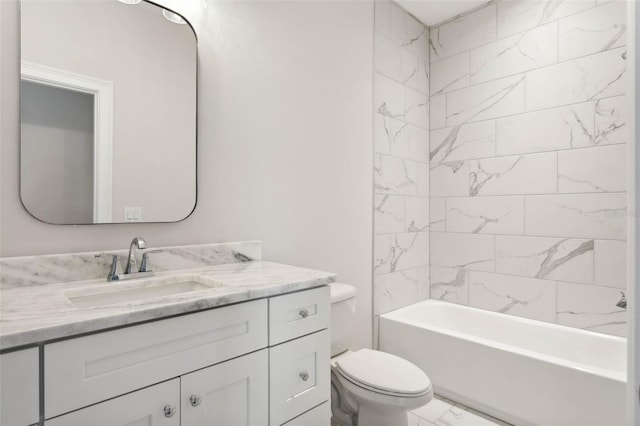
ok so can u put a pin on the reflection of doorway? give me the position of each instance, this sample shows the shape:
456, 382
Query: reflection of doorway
69, 115
57, 153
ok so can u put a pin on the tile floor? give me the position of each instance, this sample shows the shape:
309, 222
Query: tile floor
443, 412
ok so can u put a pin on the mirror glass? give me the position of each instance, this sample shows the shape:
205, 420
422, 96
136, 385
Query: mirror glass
108, 112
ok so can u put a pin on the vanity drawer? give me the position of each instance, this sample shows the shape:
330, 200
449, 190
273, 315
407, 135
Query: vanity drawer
296, 314
82, 371
318, 416
19, 388
299, 376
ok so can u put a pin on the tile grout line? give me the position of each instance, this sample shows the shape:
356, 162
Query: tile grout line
498, 38
521, 154
524, 215
557, 172
529, 194
526, 277
500, 77
533, 111
556, 302
558, 42
458, 233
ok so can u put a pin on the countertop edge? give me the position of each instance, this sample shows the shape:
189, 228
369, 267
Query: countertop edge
29, 338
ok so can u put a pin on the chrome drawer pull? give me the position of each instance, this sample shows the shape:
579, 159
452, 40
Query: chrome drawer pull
304, 313
304, 376
195, 400
169, 410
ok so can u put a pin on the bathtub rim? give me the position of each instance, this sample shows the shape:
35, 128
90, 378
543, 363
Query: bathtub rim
397, 316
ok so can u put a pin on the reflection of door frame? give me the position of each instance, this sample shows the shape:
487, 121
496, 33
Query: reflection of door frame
102, 91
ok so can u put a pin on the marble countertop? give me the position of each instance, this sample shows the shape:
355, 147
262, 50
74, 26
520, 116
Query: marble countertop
35, 314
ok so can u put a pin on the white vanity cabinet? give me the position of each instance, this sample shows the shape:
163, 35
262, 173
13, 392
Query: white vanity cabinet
299, 353
225, 366
19, 388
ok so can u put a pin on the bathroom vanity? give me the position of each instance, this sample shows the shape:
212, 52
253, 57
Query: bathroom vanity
252, 349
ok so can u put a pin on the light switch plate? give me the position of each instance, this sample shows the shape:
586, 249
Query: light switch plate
132, 214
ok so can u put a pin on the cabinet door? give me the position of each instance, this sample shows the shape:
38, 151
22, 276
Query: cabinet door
231, 393
158, 405
19, 388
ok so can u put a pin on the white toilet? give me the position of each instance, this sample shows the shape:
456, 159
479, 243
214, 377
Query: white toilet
369, 388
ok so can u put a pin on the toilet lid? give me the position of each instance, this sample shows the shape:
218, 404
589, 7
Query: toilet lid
386, 372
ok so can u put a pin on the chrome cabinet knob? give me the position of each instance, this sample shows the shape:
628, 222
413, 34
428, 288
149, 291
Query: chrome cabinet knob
304, 313
169, 410
304, 376
195, 400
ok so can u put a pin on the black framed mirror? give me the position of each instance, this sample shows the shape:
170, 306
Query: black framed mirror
108, 112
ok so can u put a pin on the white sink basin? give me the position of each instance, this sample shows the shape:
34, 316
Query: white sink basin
138, 290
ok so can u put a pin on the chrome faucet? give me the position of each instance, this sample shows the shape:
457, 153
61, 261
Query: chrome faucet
622, 303
130, 271
138, 243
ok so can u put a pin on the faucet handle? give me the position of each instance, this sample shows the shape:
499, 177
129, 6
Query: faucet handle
145, 259
116, 269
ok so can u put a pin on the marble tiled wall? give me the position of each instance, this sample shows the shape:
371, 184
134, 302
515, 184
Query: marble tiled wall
527, 162
401, 159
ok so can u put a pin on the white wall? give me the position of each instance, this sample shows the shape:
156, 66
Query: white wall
284, 142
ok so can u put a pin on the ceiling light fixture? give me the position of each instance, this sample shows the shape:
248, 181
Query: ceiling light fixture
173, 17
130, 1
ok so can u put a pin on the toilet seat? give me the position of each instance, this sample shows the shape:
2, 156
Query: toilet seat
384, 373
382, 393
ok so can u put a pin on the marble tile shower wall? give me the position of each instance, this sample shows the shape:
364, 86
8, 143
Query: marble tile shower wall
401, 159
527, 161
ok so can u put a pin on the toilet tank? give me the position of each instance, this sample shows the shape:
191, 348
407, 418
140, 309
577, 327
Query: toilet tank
343, 316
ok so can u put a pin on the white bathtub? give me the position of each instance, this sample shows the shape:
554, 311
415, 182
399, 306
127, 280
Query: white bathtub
518, 370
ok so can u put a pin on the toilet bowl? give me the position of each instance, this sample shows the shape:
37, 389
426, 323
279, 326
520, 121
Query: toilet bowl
369, 387
380, 387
